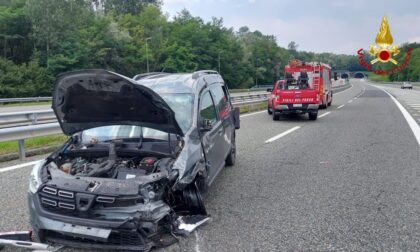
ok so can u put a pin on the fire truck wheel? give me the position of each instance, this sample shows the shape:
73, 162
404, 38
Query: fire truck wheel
313, 116
276, 116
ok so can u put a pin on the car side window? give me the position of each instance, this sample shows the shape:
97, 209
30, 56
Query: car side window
207, 109
220, 97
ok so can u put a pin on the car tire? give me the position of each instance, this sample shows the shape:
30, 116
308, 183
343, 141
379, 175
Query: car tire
313, 116
276, 116
231, 158
194, 200
269, 111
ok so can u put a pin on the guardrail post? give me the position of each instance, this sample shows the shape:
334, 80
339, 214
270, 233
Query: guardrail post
34, 118
21, 144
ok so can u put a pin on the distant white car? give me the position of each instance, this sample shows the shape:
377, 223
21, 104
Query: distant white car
406, 84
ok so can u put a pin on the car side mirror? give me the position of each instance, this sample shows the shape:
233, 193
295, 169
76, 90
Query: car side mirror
206, 125
269, 90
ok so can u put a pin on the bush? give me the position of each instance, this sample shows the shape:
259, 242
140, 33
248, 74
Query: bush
26, 80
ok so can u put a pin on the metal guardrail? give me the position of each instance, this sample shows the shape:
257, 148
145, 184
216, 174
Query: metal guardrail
44, 123
30, 117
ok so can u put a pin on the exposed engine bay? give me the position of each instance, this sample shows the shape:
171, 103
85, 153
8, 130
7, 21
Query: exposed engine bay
104, 182
110, 166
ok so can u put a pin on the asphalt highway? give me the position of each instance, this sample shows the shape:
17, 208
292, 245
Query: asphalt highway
349, 181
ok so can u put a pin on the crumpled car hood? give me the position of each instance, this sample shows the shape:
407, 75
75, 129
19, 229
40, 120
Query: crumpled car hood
92, 98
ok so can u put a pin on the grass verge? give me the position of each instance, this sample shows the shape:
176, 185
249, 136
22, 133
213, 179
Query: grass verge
253, 107
20, 104
11, 147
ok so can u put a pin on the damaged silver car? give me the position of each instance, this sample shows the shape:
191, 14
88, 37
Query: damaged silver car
140, 153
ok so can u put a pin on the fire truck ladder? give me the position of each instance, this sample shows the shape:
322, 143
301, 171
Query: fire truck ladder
317, 75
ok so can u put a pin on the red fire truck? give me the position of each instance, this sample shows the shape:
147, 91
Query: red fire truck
306, 88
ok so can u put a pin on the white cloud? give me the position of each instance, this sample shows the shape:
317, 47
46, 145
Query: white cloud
339, 26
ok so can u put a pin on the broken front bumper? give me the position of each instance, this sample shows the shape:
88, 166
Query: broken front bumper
122, 229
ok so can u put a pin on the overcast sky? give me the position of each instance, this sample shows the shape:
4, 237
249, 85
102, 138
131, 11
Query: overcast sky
338, 26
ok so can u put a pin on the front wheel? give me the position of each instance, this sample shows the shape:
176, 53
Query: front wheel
313, 116
231, 158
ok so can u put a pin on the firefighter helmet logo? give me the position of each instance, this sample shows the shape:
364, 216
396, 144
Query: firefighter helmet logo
384, 50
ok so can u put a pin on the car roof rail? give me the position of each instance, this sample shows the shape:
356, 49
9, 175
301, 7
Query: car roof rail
144, 75
197, 74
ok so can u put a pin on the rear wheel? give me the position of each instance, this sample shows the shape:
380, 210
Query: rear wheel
313, 116
231, 158
276, 116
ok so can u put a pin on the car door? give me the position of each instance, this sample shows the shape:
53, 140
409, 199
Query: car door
225, 116
211, 135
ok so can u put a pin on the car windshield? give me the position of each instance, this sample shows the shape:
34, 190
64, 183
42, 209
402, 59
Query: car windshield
181, 104
106, 133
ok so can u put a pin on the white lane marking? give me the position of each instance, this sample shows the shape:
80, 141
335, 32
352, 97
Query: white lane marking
339, 107
282, 134
253, 113
356, 98
18, 166
197, 242
325, 114
350, 101
410, 120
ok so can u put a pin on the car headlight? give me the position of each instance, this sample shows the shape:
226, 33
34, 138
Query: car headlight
35, 177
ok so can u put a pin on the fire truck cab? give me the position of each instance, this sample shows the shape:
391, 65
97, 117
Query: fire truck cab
307, 87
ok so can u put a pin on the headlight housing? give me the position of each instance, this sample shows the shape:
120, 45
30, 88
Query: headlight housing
35, 177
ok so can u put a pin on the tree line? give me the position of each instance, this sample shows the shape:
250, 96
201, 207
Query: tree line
40, 39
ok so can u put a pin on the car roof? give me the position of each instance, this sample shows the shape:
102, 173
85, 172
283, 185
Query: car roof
178, 82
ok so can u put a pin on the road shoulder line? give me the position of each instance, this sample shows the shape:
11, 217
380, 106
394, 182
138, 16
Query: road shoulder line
415, 128
15, 167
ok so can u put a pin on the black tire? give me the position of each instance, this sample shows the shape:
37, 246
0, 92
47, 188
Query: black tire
313, 116
193, 199
276, 116
231, 158
269, 111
